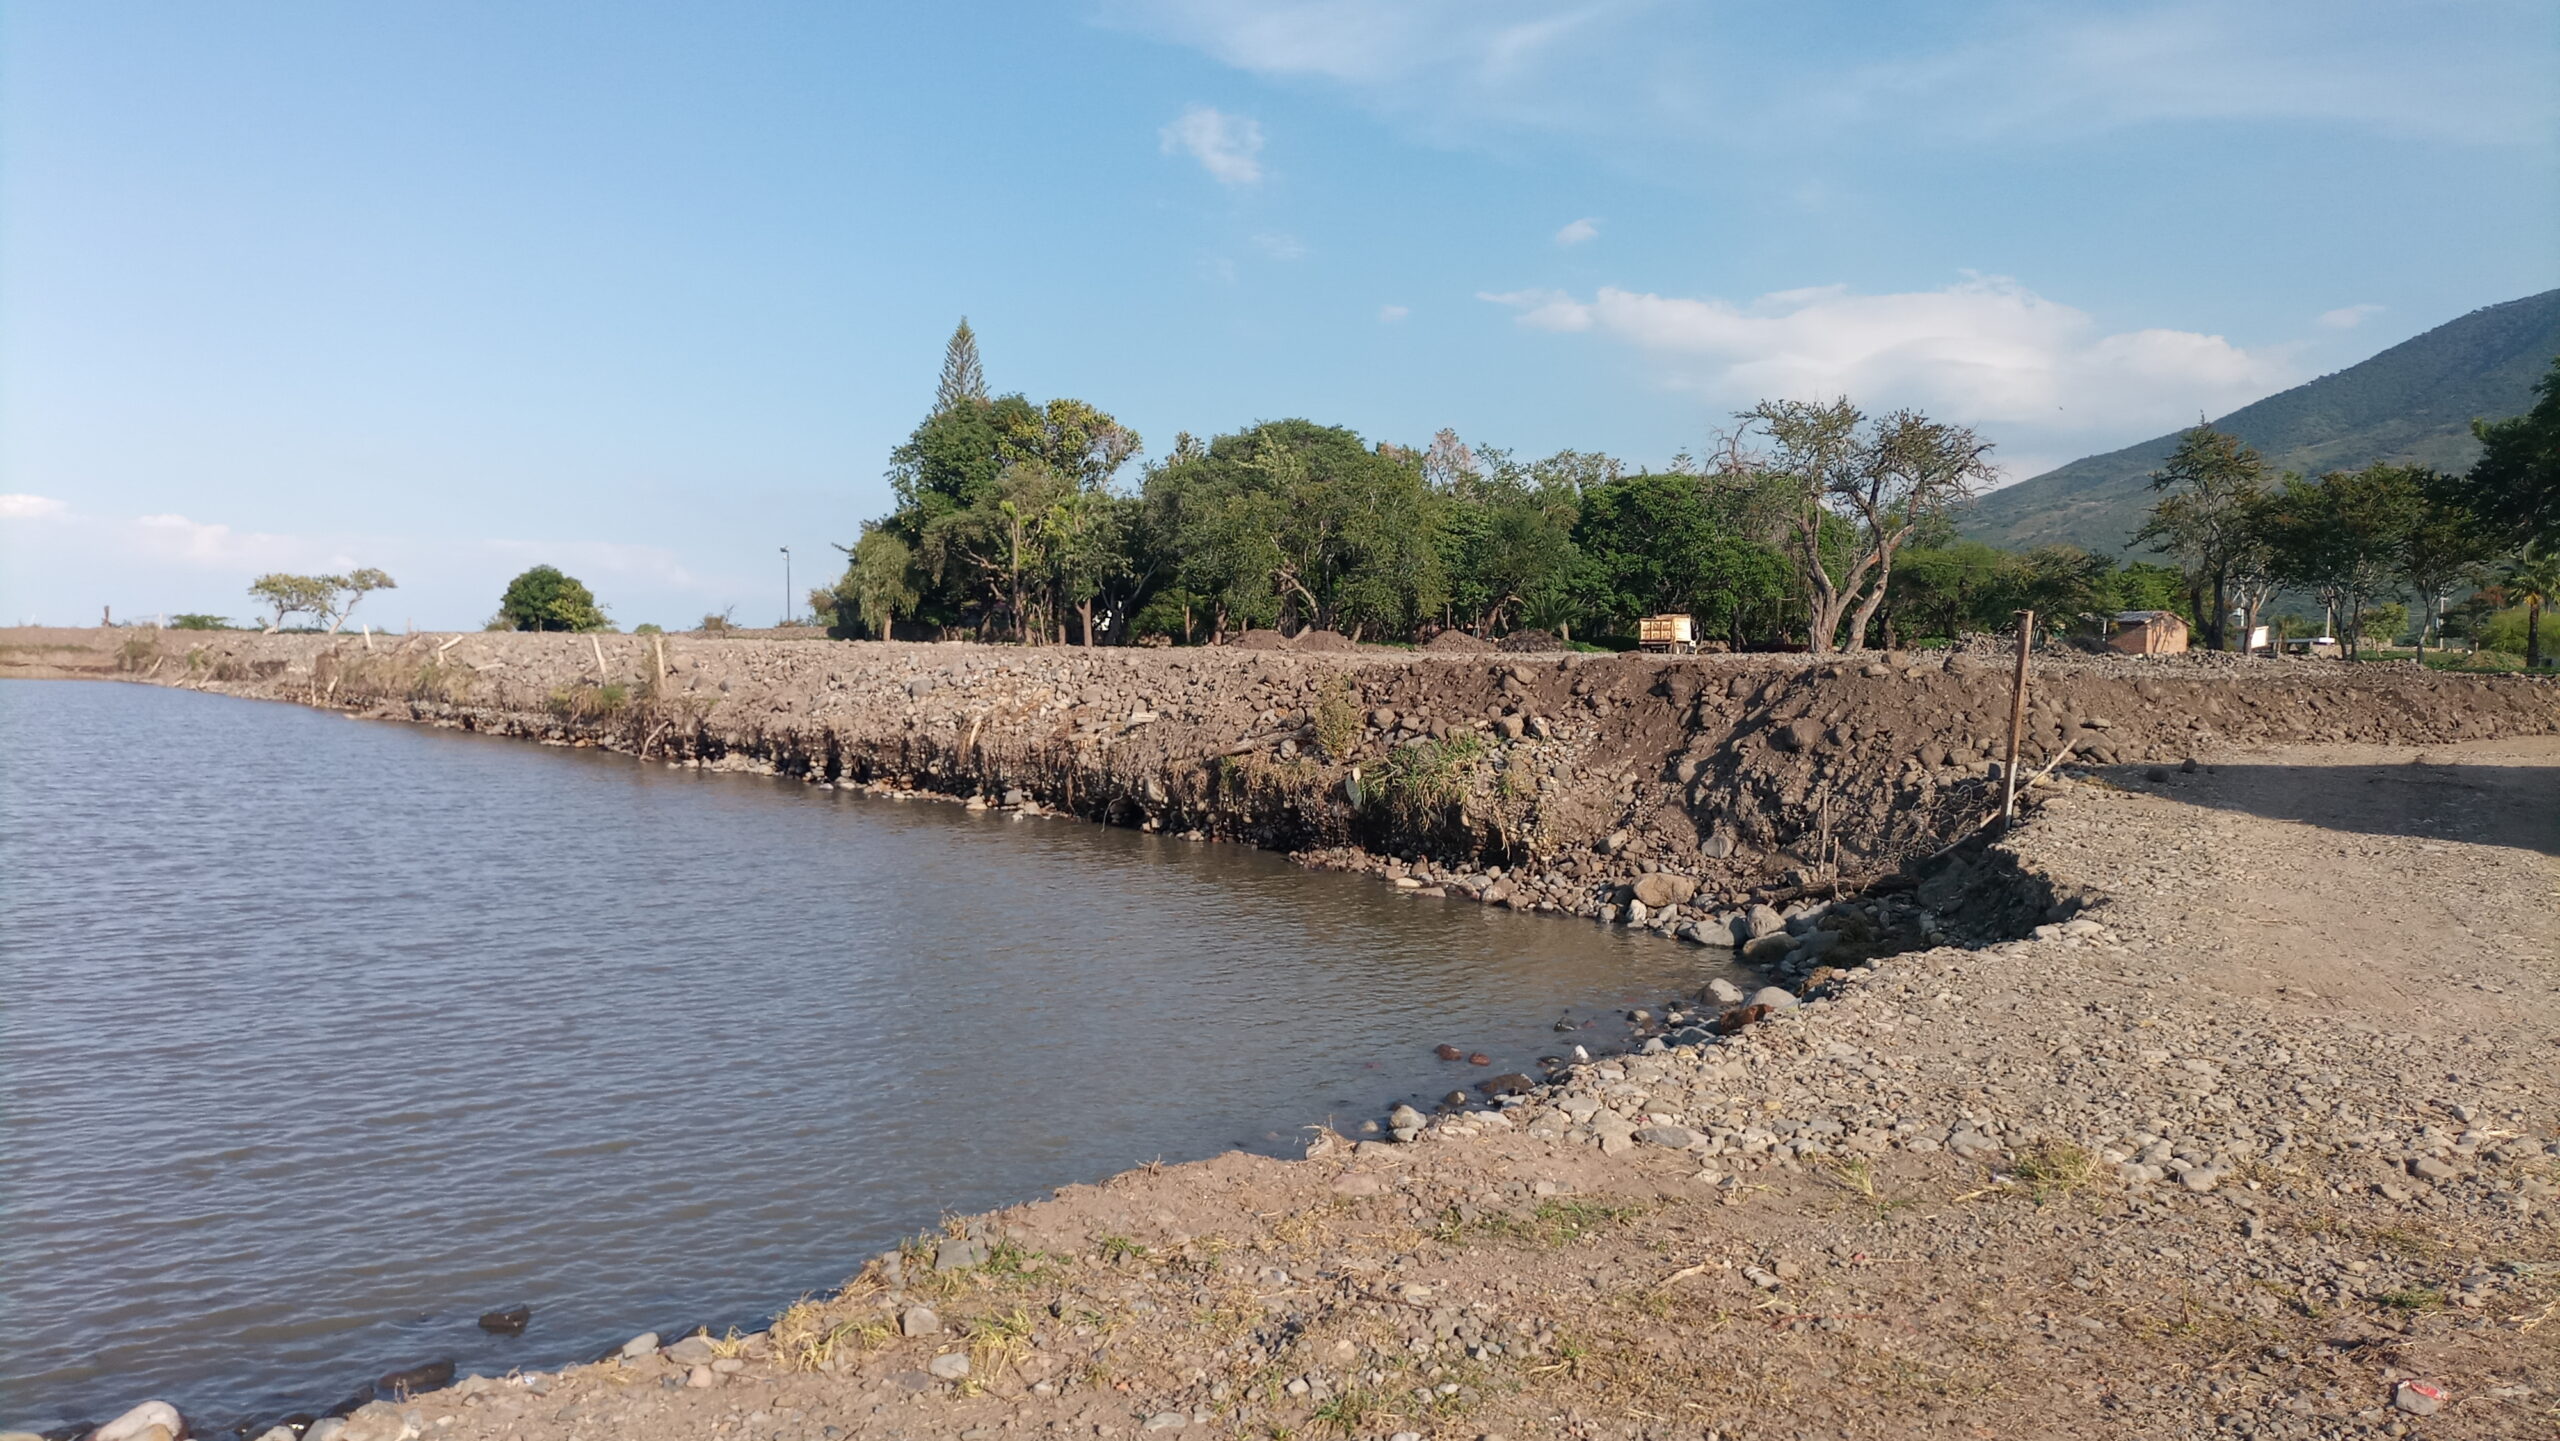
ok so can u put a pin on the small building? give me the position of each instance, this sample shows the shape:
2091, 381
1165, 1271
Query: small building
2149, 632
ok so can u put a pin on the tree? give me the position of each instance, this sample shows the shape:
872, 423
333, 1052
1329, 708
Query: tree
2445, 546
879, 580
287, 596
358, 584
1885, 478
963, 381
544, 599
2515, 485
2533, 579
2207, 517
2343, 536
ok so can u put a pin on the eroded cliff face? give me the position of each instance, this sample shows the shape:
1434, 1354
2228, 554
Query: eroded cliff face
1547, 782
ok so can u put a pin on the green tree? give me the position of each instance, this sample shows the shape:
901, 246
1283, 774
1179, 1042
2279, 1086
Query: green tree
357, 585
2343, 537
2444, 547
286, 596
2532, 579
964, 381
1885, 478
2515, 485
879, 581
542, 598
2208, 518
1668, 544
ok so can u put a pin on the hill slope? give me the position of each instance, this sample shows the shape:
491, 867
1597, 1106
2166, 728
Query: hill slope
2413, 403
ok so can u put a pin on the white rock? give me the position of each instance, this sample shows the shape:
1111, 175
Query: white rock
136, 1423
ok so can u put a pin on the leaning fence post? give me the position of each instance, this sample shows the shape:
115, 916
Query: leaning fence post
2017, 720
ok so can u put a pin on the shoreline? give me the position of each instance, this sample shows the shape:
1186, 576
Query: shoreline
1348, 1157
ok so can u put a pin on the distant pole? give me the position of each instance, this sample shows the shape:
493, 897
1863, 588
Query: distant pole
2017, 720
786, 586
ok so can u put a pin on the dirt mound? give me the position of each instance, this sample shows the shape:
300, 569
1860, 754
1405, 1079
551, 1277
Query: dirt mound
1323, 641
1530, 640
1258, 640
1456, 642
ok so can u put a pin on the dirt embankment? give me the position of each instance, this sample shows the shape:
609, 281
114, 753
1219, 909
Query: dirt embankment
1548, 783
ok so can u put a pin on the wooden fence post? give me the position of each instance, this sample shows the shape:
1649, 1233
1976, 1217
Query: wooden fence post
2017, 720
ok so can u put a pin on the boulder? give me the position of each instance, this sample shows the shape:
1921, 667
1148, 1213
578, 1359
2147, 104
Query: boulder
1761, 920
1716, 847
1801, 736
1775, 998
137, 1424
693, 1351
919, 1321
1656, 889
509, 1322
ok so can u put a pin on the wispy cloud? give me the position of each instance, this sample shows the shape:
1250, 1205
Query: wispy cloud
2348, 317
1580, 232
1986, 351
1229, 147
1390, 314
30, 507
1281, 247
1466, 71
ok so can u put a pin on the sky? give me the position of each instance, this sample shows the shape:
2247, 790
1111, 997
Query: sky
649, 291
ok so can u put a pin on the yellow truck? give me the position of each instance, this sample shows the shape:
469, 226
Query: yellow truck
1672, 634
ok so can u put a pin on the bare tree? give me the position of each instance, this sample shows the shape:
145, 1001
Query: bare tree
1856, 490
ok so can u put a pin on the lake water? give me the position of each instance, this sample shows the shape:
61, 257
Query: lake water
318, 1038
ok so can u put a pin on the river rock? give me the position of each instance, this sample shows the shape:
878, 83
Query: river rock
1404, 1122
693, 1351
1775, 998
960, 1254
949, 1366
1768, 950
1797, 735
643, 1344
1724, 992
509, 1322
137, 1424
919, 1321
428, 1376
701, 1378
1676, 1138
1716, 847
1760, 920
1656, 889
327, 1428
379, 1421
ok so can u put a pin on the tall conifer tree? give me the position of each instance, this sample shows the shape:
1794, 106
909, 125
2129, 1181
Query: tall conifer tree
962, 379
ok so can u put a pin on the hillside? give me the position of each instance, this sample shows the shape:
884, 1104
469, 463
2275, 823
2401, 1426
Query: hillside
2412, 403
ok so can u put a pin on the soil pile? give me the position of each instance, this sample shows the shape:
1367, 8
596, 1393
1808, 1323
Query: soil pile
1530, 642
1258, 640
1323, 642
1456, 642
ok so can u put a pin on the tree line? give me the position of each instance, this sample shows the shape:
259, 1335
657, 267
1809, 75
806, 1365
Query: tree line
2358, 541
1812, 525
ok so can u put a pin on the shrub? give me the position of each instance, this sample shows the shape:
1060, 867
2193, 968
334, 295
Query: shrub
543, 598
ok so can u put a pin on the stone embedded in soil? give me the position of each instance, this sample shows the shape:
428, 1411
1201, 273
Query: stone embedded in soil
919, 1321
644, 1344
693, 1351
949, 1366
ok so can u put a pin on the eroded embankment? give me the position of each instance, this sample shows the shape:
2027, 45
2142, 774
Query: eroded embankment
1538, 782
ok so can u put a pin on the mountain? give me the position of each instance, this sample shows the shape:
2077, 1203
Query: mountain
2412, 404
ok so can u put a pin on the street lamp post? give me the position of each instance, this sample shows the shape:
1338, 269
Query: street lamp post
786, 586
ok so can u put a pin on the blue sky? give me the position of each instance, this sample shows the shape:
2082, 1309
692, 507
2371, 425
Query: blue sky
649, 291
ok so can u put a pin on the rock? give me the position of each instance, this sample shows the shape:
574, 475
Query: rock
379, 1421
1613, 842
959, 1254
1167, 1421
1768, 950
2428, 1168
1797, 735
643, 1344
919, 1321
1509, 1083
135, 1424
1657, 889
1676, 1138
1447, 1052
2418, 1398
1776, 998
2200, 1179
1716, 847
949, 1366
1724, 992
1358, 1183
693, 1351
701, 1378
430, 1376
1635, 913
1761, 920
509, 1322
272, 1433
327, 1428
1512, 727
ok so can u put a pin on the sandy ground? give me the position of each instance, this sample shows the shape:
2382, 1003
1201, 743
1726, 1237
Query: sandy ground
2264, 1143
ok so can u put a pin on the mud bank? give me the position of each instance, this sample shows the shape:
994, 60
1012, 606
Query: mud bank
1550, 783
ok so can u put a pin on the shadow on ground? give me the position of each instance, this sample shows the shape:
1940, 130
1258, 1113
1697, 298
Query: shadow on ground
2498, 805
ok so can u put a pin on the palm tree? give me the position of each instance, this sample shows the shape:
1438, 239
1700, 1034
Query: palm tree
2534, 578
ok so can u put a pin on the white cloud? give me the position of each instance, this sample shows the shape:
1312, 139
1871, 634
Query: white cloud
29, 507
191, 542
1390, 314
1579, 232
2348, 317
1281, 247
1463, 72
1229, 147
1985, 351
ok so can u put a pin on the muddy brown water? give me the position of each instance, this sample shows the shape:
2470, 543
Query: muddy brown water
318, 1038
